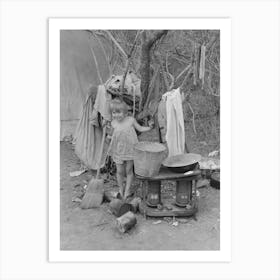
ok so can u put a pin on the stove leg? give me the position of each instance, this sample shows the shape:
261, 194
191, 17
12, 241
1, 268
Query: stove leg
144, 197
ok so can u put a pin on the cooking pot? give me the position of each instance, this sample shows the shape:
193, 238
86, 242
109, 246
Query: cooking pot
182, 163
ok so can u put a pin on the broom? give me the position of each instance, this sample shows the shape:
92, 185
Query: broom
95, 190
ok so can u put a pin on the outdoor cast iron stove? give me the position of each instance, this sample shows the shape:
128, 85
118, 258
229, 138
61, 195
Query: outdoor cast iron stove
185, 203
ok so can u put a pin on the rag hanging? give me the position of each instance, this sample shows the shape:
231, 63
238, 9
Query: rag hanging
102, 102
175, 131
89, 136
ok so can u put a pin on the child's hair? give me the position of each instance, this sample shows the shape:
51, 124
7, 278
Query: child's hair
118, 105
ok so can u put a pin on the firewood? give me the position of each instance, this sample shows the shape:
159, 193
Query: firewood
126, 222
119, 207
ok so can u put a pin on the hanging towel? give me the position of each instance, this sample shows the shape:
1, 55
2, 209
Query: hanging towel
175, 132
102, 102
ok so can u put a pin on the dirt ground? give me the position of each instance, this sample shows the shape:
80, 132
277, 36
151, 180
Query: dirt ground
95, 229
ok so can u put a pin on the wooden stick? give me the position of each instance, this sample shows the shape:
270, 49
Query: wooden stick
186, 77
186, 69
167, 71
96, 64
79, 80
101, 224
134, 101
101, 152
116, 43
211, 63
104, 52
194, 128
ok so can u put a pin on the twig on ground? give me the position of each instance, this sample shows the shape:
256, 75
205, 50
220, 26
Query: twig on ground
101, 224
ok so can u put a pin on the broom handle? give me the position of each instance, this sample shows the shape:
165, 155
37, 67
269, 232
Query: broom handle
101, 152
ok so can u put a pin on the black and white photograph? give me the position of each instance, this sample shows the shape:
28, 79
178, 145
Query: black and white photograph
140, 139
133, 138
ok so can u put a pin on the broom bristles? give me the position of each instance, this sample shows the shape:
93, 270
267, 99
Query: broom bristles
91, 200
94, 194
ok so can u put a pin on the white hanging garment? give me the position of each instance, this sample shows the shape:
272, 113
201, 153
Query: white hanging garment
175, 134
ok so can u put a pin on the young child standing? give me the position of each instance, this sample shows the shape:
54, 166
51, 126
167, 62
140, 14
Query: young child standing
122, 144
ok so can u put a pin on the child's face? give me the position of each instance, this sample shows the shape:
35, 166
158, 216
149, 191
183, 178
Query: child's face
118, 115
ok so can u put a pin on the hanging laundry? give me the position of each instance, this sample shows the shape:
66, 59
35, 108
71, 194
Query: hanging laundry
93, 118
102, 102
88, 136
175, 130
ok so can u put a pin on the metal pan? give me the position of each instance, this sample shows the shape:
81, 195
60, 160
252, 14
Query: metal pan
182, 163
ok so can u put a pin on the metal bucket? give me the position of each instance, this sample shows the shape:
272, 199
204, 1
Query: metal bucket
148, 157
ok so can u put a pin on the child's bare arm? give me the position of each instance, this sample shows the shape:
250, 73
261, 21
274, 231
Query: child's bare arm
140, 128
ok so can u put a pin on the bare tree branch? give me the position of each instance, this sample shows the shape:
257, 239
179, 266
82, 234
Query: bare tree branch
193, 121
96, 64
167, 71
186, 77
182, 55
116, 43
128, 59
156, 37
157, 57
104, 52
186, 69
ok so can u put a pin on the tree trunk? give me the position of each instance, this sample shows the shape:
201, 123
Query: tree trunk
147, 44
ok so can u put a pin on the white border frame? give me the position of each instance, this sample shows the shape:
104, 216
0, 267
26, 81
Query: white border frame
57, 255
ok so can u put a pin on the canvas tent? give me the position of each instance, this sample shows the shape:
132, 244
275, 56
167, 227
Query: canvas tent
80, 81
77, 74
